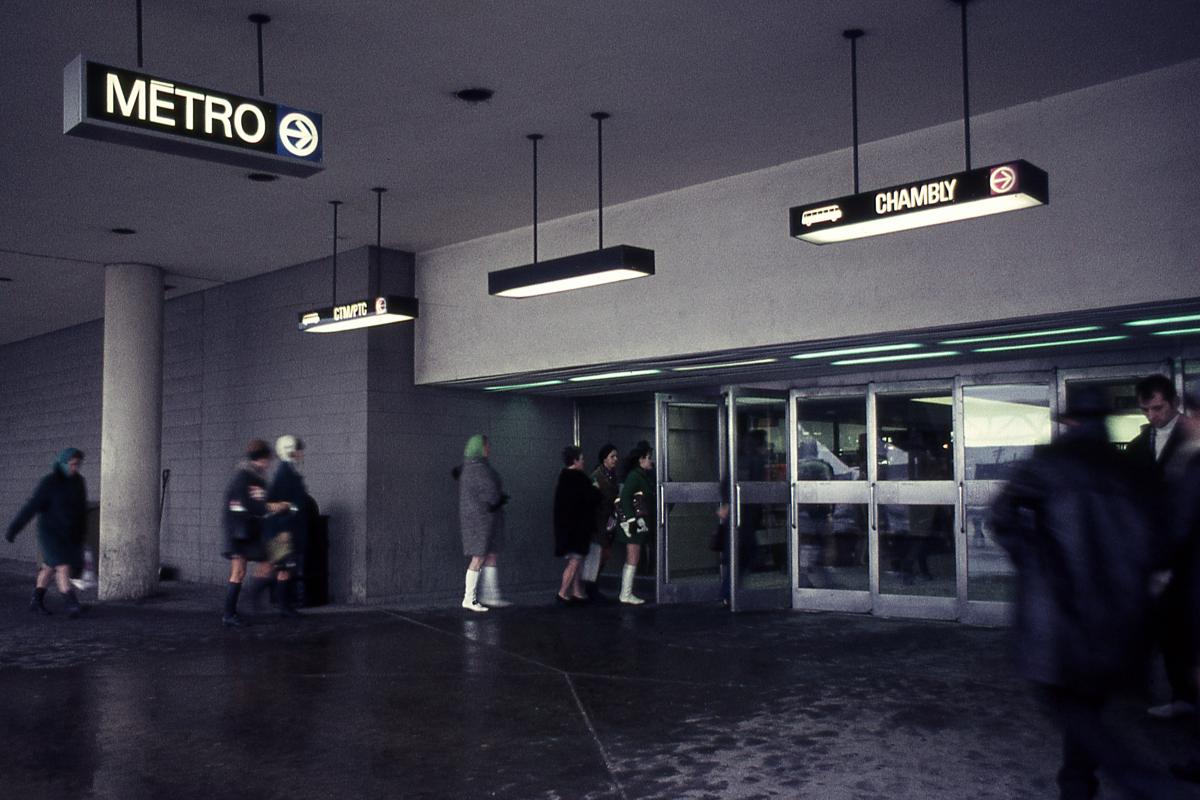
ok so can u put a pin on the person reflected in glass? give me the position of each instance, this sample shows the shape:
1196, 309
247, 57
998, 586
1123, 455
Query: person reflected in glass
637, 510
481, 501
575, 504
814, 520
60, 504
604, 478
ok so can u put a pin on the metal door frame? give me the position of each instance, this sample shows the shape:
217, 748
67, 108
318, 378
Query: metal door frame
682, 492
821, 599
743, 600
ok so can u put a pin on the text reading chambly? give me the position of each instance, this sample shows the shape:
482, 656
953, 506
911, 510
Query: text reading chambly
926, 194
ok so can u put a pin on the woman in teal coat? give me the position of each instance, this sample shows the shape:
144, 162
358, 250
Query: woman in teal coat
637, 507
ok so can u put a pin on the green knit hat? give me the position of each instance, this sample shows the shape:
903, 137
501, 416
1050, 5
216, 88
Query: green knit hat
474, 448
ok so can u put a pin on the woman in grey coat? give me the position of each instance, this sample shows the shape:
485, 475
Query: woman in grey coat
481, 516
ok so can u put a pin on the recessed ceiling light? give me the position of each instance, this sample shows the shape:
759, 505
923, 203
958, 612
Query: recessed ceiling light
1141, 323
608, 376
747, 363
474, 95
901, 357
262, 177
123, 231
851, 351
1175, 332
1023, 335
1062, 343
510, 387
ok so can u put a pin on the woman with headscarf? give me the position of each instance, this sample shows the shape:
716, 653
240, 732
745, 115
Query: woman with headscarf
286, 549
245, 509
575, 504
481, 516
604, 478
637, 507
60, 501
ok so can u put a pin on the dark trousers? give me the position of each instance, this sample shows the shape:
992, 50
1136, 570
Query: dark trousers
1089, 746
1173, 631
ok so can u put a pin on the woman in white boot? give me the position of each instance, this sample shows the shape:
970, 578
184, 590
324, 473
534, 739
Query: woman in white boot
481, 516
637, 504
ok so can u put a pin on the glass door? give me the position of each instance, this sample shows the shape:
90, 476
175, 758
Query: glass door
916, 500
1116, 385
1002, 418
758, 545
691, 454
831, 500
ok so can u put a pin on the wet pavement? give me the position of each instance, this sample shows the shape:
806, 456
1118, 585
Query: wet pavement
157, 700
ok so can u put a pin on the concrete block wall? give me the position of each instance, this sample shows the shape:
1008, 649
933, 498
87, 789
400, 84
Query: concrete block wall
49, 399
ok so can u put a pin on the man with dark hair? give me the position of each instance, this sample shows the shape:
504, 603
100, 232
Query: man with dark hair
1077, 521
1155, 450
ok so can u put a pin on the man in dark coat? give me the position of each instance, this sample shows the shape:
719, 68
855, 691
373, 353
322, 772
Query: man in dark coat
1076, 518
60, 501
1157, 453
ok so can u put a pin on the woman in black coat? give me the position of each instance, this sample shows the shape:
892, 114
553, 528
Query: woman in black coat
575, 504
60, 501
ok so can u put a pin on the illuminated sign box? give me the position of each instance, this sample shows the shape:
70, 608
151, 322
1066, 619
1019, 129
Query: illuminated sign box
963, 195
359, 314
116, 105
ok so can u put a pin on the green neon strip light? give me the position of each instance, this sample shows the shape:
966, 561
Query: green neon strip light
1026, 335
901, 357
850, 351
608, 376
1141, 323
1063, 343
749, 363
514, 386
1175, 332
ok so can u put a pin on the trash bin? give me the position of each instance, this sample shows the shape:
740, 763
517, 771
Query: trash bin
316, 562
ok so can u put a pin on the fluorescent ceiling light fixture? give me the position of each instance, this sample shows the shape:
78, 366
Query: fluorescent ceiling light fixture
932, 201
1140, 323
514, 386
608, 376
999, 337
1175, 332
900, 357
1062, 343
749, 363
359, 314
851, 351
593, 268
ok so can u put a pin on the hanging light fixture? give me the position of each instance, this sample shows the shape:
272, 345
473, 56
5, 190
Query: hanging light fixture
376, 310
1008, 186
593, 268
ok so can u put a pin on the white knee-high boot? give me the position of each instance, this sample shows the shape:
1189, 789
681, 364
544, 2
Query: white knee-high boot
627, 595
472, 583
489, 593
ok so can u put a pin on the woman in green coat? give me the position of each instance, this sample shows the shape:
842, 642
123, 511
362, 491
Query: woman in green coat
637, 507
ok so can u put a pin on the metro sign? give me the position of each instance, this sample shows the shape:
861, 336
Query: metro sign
963, 195
118, 105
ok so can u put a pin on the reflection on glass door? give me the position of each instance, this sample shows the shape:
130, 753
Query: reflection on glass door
757, 553
917, 499
691, 434
832, 514
1001, 425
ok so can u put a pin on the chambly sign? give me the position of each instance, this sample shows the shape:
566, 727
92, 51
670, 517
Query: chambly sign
118, 105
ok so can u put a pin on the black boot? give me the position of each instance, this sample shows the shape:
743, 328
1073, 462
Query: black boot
284, 595
38, 602
258, 588
73, 607
230, 618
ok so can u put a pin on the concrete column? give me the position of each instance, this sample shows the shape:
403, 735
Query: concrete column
131, 430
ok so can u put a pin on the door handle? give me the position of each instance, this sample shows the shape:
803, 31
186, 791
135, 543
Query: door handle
962, 509
737, 505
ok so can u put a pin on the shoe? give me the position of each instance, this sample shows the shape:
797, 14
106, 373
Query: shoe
631, 599
472, 605
232, 621
38, 603
561, 601
1188, 771
1177, 708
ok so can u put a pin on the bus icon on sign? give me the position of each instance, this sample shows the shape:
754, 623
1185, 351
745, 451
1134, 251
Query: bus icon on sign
823, 214
1002, 180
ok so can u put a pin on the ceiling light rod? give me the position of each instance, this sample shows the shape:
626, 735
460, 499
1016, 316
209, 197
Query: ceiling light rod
535, 137
853, 34
335, 204
378, 190
966, 87
600, 116
139, 33
259, 20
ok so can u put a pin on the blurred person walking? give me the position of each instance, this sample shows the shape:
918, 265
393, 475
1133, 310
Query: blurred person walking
604, 478
290, 526
1077, 520
575, 504
60, 502
246, 507
481, 501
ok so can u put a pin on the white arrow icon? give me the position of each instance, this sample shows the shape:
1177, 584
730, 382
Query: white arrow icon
298, 134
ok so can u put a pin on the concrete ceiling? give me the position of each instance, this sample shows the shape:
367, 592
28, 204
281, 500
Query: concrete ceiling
698, 90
